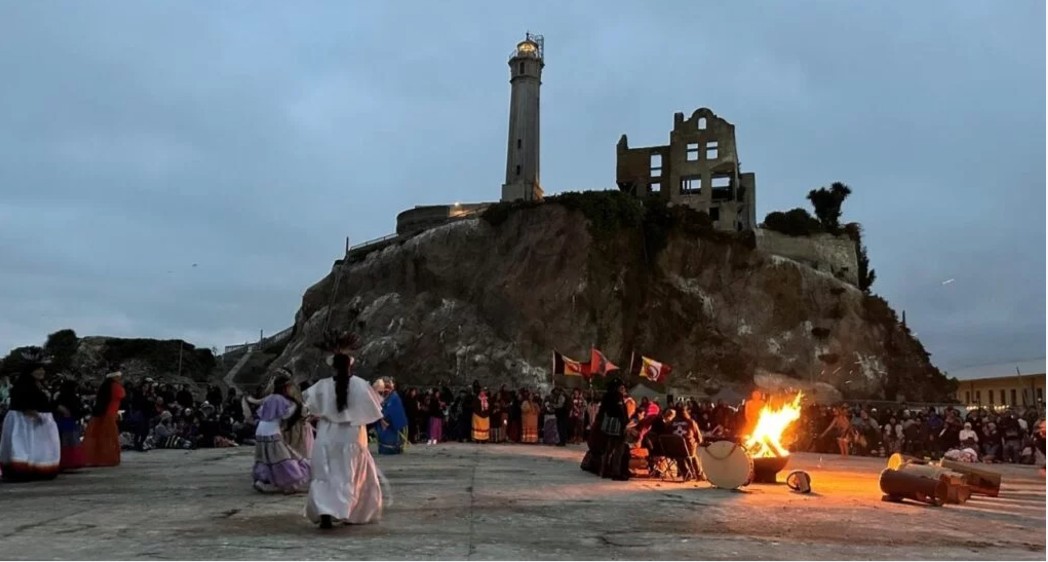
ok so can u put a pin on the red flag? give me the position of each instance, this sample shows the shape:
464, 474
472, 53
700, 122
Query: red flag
653, 370
563, 365
599, 365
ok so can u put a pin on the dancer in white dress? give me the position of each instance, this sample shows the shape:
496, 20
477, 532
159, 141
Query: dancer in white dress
346, 483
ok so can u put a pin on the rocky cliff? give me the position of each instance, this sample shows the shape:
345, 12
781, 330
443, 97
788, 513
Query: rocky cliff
489, 298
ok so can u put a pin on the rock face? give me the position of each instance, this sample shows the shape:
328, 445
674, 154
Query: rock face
489, 299
141, 358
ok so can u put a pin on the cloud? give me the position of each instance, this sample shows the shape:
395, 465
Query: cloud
138, 139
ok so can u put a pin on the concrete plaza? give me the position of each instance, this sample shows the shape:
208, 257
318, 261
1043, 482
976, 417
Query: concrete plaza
456, 501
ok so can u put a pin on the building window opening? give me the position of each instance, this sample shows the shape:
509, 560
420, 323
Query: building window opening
989, 395
702, 123
656, 165
1014, 401
518, 169
693, 152
711, 150
1003, 401
714, 213
655, 187
691, 185
520, 68
518, 143
967, 397
978, 397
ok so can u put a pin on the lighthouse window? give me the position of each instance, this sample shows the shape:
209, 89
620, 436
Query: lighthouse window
520, 68
518, 143
518, 169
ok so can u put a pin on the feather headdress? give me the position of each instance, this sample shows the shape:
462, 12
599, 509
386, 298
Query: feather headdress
334, 341
36, 358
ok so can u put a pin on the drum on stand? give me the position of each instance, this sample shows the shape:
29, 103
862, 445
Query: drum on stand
726, 464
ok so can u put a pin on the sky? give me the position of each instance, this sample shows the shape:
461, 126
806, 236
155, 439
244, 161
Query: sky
187, 170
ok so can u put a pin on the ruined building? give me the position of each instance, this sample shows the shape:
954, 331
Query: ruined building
698, 168
522, 147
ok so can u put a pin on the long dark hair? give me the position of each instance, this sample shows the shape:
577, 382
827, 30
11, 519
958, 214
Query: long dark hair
280, 386
341, 364
102, 397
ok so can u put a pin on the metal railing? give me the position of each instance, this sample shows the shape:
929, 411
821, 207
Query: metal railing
374, 242
262, 343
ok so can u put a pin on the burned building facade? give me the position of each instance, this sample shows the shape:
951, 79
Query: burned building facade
698, 168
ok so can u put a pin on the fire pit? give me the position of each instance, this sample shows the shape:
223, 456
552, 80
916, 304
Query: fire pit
764, 444
765, 469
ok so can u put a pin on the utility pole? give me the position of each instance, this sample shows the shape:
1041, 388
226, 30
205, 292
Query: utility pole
180, 358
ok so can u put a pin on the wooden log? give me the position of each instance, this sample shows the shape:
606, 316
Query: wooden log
899, 459
957, 490
981, 481
898, 485
926, 470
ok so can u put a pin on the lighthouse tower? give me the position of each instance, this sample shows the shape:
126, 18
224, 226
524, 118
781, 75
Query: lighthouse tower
522, 154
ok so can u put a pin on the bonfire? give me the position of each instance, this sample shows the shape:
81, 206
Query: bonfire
766, 439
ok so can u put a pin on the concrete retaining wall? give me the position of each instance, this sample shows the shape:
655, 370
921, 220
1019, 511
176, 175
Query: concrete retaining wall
823, 252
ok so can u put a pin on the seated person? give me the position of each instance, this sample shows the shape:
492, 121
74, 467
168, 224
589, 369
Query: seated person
660, 425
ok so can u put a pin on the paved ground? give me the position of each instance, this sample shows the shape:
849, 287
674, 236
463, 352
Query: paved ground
506, 502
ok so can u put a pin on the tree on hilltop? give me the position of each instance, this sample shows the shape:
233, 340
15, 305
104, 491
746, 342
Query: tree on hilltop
827, 204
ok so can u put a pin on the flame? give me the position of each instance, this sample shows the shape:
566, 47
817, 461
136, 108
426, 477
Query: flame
766, 436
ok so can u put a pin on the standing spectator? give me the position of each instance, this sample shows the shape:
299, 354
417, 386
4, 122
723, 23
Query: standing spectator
413, 410
577, 415
562, 411
1012, 435
185, 397
435, 409
214, 395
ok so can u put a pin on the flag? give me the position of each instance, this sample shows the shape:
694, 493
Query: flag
599, 365
653, 370
563, 365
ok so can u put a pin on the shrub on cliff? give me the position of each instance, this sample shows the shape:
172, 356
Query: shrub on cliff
866, 275
795, 222
607, 211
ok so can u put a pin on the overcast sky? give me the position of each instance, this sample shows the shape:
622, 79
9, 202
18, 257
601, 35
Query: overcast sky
252, 138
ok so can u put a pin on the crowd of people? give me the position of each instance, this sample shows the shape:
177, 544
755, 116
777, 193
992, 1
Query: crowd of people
93, 425
1011, 435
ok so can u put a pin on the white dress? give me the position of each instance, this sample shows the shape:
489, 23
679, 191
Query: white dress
346, 483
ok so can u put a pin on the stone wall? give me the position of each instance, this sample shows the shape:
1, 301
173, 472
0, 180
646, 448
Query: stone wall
827, 253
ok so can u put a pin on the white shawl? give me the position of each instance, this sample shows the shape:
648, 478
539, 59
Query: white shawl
364, 405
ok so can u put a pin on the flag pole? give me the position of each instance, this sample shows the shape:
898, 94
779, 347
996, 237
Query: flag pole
629, 371
552, 367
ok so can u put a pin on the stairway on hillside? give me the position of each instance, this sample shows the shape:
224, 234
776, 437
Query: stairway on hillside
231, 375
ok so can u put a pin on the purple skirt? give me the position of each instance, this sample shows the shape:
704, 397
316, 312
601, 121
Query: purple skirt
278, 468
436, 429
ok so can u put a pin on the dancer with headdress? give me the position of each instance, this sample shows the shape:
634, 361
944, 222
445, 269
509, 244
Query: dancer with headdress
278, 467
102, 436
390, 429
298, 432
30, 448
346, 483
